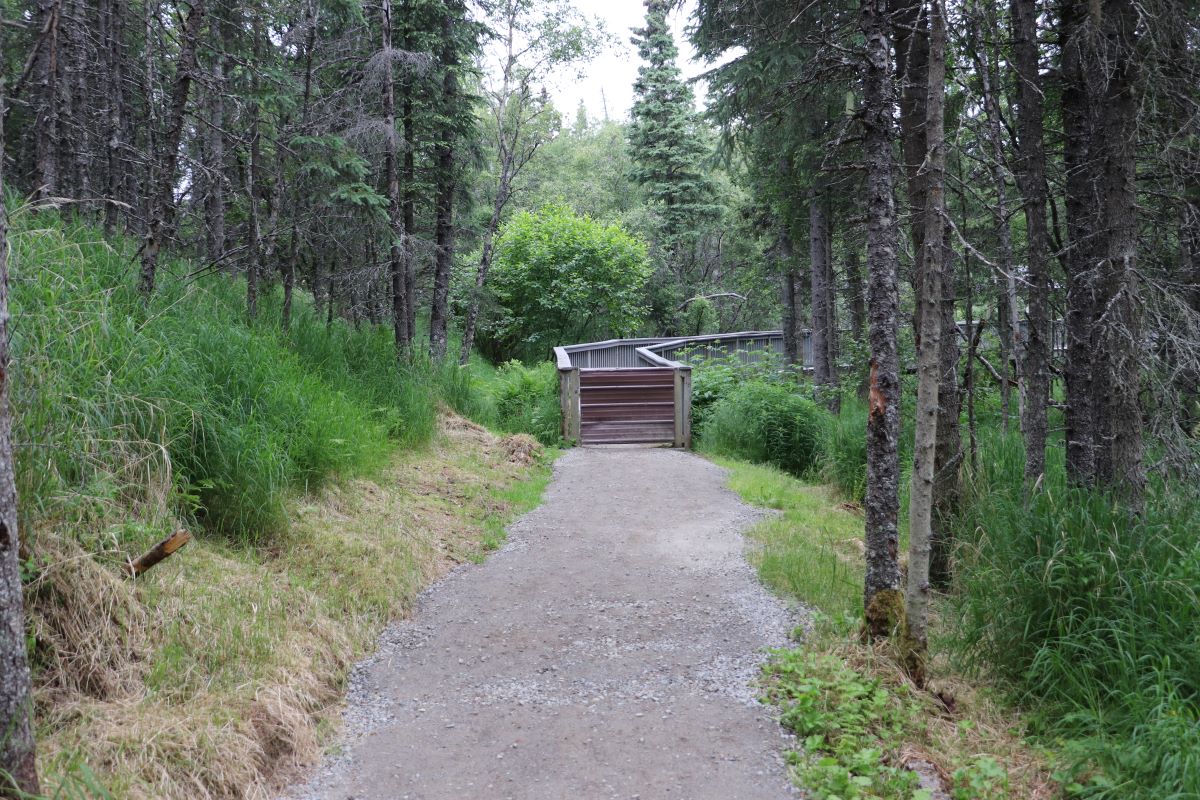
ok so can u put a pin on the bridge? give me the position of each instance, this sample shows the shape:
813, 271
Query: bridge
626, 391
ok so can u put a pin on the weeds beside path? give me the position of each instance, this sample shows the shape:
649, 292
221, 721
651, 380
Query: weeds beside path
221, 670
861, 723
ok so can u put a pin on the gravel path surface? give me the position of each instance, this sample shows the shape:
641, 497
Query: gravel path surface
606, 650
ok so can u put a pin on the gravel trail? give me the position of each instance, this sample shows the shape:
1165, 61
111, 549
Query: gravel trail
607, 650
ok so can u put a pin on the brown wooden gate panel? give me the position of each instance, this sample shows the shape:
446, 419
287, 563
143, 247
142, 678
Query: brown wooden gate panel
627, 406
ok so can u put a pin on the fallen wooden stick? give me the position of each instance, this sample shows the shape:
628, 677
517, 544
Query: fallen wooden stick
157, 553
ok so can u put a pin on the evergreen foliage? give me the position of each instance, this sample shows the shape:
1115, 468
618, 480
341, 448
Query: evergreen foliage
667, 143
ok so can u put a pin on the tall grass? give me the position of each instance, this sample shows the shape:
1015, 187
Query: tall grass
845, 462
178, 406
768, 424
1090, 613
510, 398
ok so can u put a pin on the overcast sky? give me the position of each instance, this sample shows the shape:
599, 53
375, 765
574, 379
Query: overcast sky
609, 79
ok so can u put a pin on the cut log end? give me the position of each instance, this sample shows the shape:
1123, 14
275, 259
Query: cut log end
157, 553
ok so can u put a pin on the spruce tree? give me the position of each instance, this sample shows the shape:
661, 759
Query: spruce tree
667, 144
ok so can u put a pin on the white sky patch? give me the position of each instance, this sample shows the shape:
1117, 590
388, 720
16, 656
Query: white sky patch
608, 80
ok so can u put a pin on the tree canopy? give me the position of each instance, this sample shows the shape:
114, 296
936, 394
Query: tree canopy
563, 277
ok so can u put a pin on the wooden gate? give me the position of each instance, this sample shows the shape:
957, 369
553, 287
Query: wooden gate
625, 406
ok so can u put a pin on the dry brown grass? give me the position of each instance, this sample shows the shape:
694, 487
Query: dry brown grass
219, 673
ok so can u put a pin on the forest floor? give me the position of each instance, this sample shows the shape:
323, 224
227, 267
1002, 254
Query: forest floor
609, 649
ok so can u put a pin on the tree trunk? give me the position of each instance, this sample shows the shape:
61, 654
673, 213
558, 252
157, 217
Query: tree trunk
1119, 465
410, 222
1031, 180
46, 100
397, 231
443, 257
881, 590
910, 28
791, 343
254, 226
831, 319
76, 145
980, 32
856, 292
288, 270
818, 252
485, 264
913, 62
1104, 422
162, 197
214, 199
439, 314
17, 754
116, 111
973, 329
948, 449
929, 363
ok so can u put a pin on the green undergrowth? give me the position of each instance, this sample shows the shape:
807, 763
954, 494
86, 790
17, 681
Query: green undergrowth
516, 398
179, 406
859, 720
808, 550
1090, 614
843, 720
768, 423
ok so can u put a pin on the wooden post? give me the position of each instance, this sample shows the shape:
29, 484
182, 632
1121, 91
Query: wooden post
683, 407
564, 401
568, 397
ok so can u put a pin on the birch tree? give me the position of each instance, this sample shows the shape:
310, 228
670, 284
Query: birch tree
534, 43
932, 267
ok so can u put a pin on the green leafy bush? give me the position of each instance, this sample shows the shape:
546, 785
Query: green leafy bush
1090, 613
526, 400
713, 378
766, 423
561, 278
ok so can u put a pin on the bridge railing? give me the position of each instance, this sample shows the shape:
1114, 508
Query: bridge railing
674, 353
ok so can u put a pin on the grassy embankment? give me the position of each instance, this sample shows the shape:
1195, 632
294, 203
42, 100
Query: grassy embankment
1077, 613
860, 721
323, 486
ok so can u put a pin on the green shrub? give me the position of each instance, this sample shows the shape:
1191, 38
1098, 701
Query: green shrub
766, 423
526, 400
1091, 615
713, 378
